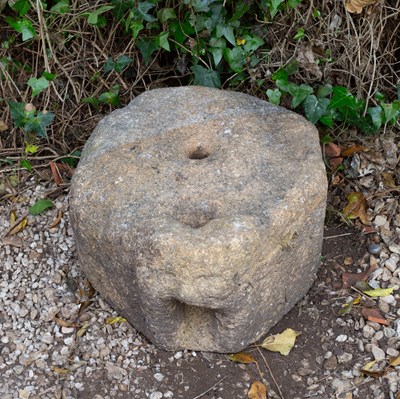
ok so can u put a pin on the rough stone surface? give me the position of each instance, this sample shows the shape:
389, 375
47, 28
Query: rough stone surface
198, 214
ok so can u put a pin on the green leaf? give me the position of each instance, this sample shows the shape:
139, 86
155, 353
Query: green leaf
39, 123
121, 7
376, 115
300, 34
40, 206
111, 97
236, 58
118, 65
217, 54
147, 47
391, 111
327, 120
93, 101
274, 96
324, 90
17, 111
23, 26
49, 76
379, 292
200, 5
293, 3
38, 85
165, 14
162, 40
241, 9
252, 43
26, 164
61, 7
143, 8
136, 27
315, 107
93, 17
30, 148
342, 98
227, 32
274, 7
22, 6
205, 77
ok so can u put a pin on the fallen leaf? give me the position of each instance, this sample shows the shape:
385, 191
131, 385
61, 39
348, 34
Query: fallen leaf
368, 229
373, 314
14, 241
257, 391
356, 6
3, 126
82, 331
57, 220
346, 307
335, 162
60, 371
379, 292
56, 174
117, 319
19, 227
63, 323
281, 343
366, 369
395, 361
356, 207
332, 150
351, 279
242, 357
13, 216
350, 151
40, 206
388, 180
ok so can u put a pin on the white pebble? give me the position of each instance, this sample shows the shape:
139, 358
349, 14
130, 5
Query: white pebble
341, 338
156, 395
377, 353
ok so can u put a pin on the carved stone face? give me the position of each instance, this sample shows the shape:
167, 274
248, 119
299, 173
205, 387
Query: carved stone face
201, 223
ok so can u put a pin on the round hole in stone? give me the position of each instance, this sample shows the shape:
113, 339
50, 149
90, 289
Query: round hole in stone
199, 153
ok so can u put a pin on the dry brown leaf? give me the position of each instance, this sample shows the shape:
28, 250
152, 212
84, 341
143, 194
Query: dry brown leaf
350, 151
19, 227
335, 162
56, 173
356, 6
60, 371
64, 323
116, 319
3, 126
82, 331
242, 357
332, 150
357, 207
350, 279
395, 361
373, 314
57, 220
388, 180
257, 391
14, 241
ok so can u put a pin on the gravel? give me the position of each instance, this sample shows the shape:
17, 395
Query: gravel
50, 350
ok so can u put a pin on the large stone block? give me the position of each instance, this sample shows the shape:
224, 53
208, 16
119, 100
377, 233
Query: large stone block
198, 214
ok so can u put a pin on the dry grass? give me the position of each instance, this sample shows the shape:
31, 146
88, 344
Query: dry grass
363, 50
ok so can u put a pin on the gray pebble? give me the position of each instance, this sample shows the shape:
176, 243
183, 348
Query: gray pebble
156, 395
377, 353
374, 248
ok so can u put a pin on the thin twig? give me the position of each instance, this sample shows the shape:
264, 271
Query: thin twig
337, 236
209, 389
271, 374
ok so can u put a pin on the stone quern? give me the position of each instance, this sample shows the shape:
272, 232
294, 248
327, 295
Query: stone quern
198, 214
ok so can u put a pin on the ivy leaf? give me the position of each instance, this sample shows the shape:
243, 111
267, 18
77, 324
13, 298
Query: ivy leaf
22, 6
273, 8
217, 54
205, 77
236, 58
118, 65
143, 8
61, 7
391, 111
147, 47
274, 96
376, 115
227, 32
39, 123
38, 85
26, 164
93, 17
252, 43
121, 7
241, 8
315, 107
40, 206
324, 90
342, 98
17, 111
162, 41
165, 14
23, 26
